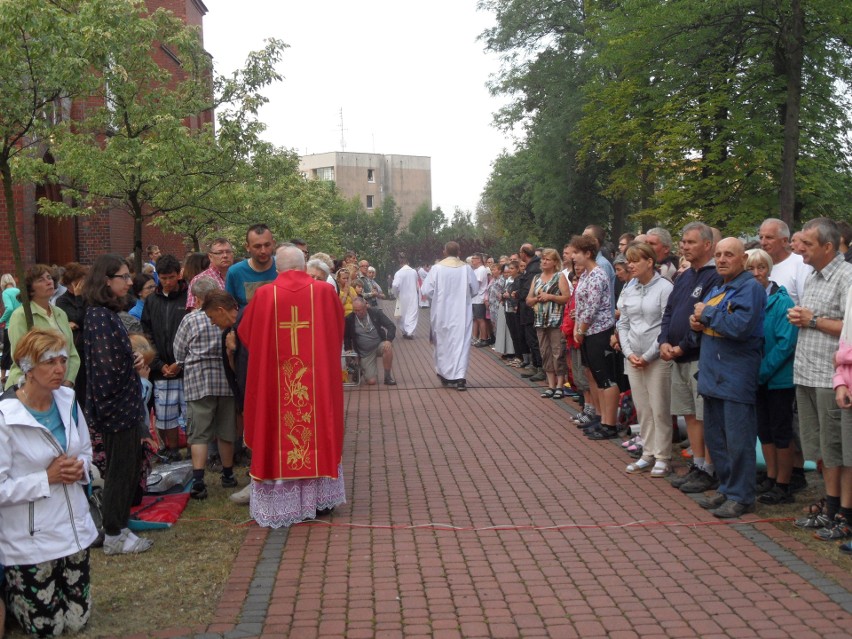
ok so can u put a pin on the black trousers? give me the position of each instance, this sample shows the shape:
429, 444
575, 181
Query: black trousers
531, 339
121, 479
513, 324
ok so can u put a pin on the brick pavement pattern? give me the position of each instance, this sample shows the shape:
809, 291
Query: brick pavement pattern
553, 539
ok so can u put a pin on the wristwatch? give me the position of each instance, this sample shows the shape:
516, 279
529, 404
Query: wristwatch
812, 323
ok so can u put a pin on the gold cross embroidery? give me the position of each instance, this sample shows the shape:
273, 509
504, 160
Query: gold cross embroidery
294, 325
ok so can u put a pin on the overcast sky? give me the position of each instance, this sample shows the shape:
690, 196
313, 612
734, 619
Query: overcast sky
409, 76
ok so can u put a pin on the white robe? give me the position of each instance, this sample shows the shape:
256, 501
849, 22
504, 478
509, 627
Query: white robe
451, 285
405, 289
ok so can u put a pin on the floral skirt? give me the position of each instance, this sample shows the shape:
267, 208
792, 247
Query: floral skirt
52, 597
283, 503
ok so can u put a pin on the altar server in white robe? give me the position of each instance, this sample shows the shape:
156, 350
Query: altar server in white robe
405, 290
450, 286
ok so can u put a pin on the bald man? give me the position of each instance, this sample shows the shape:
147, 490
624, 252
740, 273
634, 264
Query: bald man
730, 324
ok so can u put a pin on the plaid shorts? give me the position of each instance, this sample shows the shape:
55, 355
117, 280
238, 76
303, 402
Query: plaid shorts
169, 403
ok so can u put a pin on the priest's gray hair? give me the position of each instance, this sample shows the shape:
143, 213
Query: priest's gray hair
289, 258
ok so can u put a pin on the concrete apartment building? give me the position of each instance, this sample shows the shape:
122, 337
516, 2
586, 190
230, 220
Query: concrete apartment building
372, 176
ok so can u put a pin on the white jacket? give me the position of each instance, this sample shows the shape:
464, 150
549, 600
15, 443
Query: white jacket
40, 521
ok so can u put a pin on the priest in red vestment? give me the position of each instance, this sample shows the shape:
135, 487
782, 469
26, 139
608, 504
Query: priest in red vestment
293, 331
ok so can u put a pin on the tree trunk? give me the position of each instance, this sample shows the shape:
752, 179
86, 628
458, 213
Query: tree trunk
137, 241
793, 43
11, 220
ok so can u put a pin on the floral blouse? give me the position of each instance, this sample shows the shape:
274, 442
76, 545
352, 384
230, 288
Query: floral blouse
594, 301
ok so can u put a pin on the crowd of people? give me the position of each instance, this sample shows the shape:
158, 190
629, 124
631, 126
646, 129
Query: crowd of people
743, 342
241, 362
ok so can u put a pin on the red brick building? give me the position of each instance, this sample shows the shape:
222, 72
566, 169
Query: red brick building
50, 240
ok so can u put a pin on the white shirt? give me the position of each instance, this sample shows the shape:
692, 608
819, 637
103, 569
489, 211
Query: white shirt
791, 274
481, 275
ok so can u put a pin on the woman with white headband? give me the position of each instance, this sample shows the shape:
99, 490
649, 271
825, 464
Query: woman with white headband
45, 525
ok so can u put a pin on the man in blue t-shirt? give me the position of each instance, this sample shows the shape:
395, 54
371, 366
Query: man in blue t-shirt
245, 277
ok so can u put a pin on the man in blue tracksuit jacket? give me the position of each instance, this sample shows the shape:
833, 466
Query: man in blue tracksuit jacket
730, 324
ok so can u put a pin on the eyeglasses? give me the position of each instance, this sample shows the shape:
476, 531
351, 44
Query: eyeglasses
127, 277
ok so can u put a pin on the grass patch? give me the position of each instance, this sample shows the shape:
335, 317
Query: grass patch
176, 583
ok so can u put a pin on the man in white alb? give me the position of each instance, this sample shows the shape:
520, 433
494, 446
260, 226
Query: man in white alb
404, 288
450, 286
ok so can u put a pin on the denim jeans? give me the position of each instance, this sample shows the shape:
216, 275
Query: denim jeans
730, 432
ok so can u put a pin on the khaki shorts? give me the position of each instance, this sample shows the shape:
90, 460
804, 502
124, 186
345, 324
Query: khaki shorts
214, 416
825, 429
368, 361
685, 398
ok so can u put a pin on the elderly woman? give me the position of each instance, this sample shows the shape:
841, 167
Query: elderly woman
642, 305
317, 269
775, 392
548, 294
594, 322
45, 525
114, 398
39, 286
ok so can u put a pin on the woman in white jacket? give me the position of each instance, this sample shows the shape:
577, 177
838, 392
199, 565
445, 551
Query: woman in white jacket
45, 525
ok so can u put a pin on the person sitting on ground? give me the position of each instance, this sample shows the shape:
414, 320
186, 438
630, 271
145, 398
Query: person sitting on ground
211, 408
45, 454
369, 332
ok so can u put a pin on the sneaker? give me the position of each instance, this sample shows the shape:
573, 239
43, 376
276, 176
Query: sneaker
532, 370
732, 509
605, 432
701, 483
839, 529
389, 380
242, 496
126, 543
798, 482
680, 480
765, 485
846, 548
815, 518
539, 376
776, 495
461, 385
711, 503
587, 421
198, 490
229, 482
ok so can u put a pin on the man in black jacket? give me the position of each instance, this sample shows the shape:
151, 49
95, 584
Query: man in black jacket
526, 315
369, 332
161, 315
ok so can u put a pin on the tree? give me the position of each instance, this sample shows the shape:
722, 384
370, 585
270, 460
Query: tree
144, 145
421, 240
44, 64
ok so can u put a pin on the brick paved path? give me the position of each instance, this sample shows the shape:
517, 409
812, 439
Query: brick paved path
553, 539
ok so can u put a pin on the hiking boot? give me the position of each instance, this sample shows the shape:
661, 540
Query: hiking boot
701, 483
732, 509
531, 371
839, 529
198, 490
776, 495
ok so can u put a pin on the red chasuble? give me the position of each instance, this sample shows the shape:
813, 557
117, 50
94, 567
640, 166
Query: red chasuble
293, 330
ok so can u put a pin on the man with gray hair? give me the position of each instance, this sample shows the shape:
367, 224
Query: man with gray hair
293, 331
661, 241
211, 408
819, 316
788, 268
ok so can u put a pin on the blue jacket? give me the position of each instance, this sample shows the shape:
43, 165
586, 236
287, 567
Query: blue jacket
779, 342
690, 288
732, 341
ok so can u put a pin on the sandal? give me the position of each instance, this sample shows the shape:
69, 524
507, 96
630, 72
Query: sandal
639, 466
629, 442
557, 394
548, 393
661, 469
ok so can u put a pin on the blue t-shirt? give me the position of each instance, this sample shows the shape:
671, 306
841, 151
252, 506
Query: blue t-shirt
51, 420
242, 281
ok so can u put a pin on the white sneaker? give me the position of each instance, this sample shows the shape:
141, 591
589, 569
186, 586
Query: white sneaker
243, 496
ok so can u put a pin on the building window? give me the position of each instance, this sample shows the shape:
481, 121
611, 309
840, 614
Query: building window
326, 173
369, 201
371, 175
